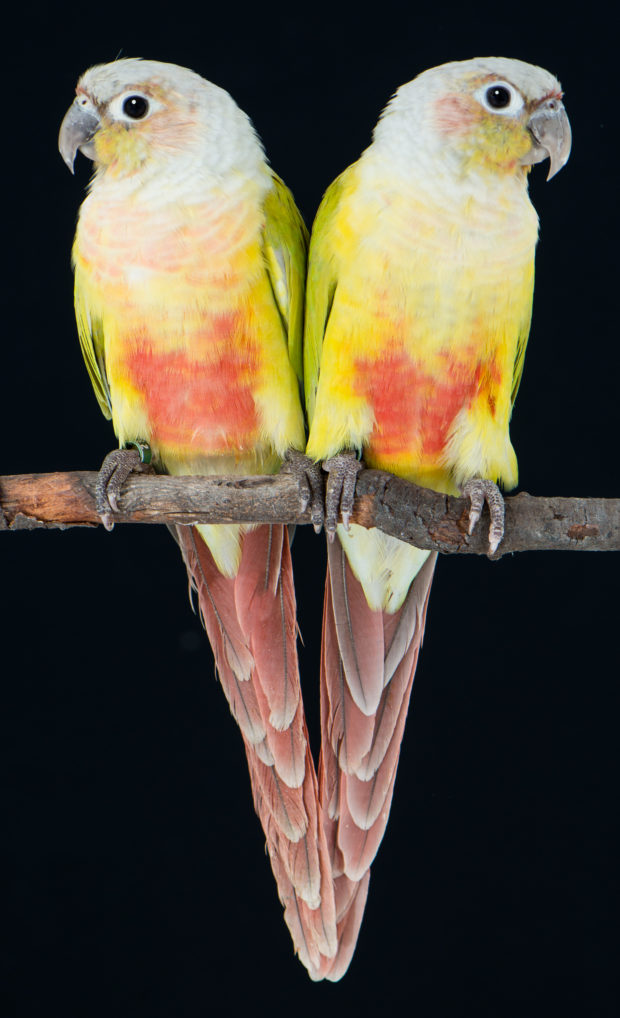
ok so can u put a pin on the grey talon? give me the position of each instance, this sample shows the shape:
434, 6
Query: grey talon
479, 491
342, 471
310, 481
115, 469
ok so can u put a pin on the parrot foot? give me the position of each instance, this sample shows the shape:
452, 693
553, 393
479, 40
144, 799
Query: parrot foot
310, 480
342, 471
480, 491
115, 469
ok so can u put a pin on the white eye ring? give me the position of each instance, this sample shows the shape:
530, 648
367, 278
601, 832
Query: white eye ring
500, 97
116, 109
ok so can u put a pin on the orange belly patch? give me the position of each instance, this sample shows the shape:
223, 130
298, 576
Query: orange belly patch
414, 409
192, 402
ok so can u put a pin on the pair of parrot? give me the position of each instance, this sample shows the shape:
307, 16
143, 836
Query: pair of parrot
190, 274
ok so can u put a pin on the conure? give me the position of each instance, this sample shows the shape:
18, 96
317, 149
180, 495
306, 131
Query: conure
189, 263
418, 305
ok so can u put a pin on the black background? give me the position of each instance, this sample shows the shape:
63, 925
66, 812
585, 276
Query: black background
137, 881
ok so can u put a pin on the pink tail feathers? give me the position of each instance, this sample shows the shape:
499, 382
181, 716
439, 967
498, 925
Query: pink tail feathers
251, 622
360, 748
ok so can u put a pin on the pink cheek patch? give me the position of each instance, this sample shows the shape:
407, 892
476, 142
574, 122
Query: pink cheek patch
453, 114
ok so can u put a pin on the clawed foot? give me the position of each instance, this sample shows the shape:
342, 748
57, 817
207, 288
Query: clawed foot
479, 492
115, 469
310, 480
342, 471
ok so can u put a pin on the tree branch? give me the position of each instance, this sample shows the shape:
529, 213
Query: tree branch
415, 515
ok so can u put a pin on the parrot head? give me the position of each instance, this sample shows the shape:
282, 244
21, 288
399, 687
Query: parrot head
487, 113
134, 114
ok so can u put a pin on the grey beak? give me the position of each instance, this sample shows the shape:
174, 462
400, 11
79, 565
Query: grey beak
76, 132
551, 133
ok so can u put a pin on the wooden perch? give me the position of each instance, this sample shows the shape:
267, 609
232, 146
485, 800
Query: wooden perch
416, 515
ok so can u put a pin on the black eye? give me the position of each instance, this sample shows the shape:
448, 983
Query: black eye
136, 107
498, 97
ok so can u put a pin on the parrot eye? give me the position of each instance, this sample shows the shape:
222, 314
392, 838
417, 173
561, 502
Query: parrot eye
136, 107
131, 106
500, 97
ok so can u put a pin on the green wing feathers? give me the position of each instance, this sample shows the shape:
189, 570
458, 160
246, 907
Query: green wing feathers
519, 360
90, 332
320, 288
286, 248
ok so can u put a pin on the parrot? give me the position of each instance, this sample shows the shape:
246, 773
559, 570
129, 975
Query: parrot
418, 307
189, 260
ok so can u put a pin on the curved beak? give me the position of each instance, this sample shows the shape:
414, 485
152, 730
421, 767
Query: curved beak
76, 132
551, 134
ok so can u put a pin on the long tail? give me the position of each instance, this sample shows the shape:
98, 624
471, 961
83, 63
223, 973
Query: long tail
251, 622
368, 665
